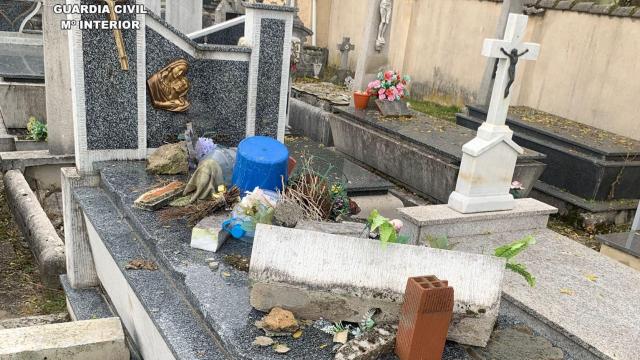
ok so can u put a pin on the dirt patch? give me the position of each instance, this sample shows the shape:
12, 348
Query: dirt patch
564, 227
21, 291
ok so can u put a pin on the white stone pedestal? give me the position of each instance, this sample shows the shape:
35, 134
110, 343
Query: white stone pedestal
486, 171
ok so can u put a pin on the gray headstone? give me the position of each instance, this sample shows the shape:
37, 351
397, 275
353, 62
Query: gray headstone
393, 108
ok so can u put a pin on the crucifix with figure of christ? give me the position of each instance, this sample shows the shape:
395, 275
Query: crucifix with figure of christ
489, 160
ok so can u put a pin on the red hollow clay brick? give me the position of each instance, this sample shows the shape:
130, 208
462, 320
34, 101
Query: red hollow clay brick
424, 320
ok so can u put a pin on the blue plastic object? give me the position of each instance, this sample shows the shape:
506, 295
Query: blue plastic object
260, 162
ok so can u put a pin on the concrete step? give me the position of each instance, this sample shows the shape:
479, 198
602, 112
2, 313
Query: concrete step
161, 322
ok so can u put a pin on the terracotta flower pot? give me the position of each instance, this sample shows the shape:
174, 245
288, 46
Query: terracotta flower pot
361, 101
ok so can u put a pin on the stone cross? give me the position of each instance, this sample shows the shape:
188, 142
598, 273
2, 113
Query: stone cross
345, 47
488, 161
508, 7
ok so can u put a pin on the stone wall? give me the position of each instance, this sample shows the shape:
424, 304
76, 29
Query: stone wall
583, 72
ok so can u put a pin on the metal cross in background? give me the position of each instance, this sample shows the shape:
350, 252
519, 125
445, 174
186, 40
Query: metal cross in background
117, 34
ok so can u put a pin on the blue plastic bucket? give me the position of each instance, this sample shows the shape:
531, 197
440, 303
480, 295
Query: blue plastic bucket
260, 162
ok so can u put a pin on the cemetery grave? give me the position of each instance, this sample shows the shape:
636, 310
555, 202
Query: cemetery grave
195, 229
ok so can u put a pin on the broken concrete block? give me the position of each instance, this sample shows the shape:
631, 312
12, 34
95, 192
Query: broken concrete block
372, 345
205, 235
318, 275
79, 340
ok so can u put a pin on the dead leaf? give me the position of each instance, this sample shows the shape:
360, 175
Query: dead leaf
263, 341
281, 348
226, 274
297, 334
342, 337
567, 291
141, 264
591, 277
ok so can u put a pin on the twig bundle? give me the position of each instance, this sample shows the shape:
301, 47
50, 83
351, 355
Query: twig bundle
311, 192
195, 212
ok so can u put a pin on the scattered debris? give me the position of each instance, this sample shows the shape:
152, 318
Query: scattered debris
281, 348
181, 201
238, 262
371, 345
141, 264
195, 212
287, 214
159, 197
263, 341
297, 334
214, 265
592, 277
170, 159
341, 337
567, 291
279, 320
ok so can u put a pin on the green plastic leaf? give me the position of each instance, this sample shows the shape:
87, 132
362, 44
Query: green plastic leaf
376, 220
522, 270
387, 233
511, 250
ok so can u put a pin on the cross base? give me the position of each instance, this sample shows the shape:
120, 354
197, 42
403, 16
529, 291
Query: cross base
466, 204
486, 171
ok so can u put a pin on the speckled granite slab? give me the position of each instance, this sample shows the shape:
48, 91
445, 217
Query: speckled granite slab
86, 304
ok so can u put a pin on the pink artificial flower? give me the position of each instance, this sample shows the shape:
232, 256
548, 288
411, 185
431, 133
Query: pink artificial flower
388, 75
397, 224
400, 87
381, 96
376, 83
391, 97
381, 91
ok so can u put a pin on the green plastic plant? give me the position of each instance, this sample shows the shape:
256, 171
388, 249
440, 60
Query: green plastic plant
37, 129
511, 250
385, 228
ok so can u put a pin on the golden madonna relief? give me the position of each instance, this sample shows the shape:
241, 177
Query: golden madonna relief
168, 87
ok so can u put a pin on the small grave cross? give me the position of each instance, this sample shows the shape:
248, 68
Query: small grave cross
344, 49
508, 51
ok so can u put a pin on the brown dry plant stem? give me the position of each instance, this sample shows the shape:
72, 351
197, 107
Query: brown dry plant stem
195, 212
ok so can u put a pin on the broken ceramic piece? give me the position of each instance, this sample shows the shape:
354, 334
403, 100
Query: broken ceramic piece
159, 197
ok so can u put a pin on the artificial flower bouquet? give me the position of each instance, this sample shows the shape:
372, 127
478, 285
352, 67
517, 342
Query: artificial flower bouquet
389, 86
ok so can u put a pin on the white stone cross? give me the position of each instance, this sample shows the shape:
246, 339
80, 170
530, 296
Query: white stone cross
489, 160
506, 71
